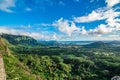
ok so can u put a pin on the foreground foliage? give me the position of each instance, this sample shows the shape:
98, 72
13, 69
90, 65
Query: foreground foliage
69, 63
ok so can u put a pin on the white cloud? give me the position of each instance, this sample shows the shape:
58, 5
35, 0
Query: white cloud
98, 31
44, 24
101, 38
26, 27
28, 9
91, 1
111, 17
61, 3
99, 14
113, 23
66, 26
36, 35
54, 36
111, 3
9, 31
83, 30
101, 29
114, 36
5, 5
91, 17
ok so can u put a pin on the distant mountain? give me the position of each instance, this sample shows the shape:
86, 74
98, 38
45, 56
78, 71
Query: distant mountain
26, 40
19, 39
98, 44
49, 43
114, 43
75, 42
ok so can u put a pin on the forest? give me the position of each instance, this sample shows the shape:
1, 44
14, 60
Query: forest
28, 59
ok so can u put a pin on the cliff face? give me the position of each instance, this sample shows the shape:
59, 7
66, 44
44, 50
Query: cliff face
3, 49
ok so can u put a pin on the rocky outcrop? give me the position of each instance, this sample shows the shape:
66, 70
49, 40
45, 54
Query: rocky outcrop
115, 78
2, 70
3, 49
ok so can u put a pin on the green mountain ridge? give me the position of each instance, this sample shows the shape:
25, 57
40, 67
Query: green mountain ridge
98, 44
19, 39
114, 43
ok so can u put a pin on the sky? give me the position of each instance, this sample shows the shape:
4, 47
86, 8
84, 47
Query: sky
73, 20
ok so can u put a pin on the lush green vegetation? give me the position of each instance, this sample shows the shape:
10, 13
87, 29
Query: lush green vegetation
18, 39
15, 70
62, 62
70, 63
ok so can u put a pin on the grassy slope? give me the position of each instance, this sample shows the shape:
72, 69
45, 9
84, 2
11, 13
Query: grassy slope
15, 70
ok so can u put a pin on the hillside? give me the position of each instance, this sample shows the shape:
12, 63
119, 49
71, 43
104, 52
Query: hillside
114, 43
13, 67
19, 39
98, 44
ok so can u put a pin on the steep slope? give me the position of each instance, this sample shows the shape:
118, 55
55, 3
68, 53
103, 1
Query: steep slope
15, 70
3, 49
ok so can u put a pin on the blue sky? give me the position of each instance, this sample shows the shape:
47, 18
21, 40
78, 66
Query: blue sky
61, 19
